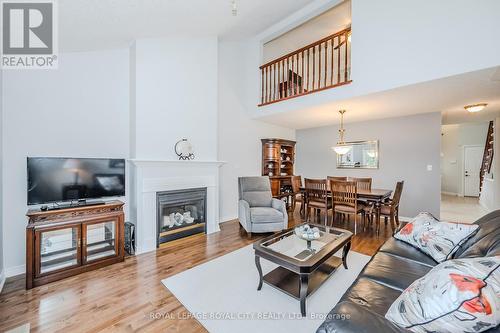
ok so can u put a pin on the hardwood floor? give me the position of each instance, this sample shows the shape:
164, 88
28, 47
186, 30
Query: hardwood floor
129, 296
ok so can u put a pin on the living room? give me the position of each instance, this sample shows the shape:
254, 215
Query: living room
155, 99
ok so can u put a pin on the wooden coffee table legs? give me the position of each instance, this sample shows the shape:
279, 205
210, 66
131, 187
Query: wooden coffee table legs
345, 251
304, 284
287, 281
259, 268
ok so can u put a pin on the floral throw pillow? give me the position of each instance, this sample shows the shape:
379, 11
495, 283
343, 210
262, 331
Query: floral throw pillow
461, 295
437, 239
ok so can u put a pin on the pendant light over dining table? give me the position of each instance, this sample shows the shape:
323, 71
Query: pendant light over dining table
341, 148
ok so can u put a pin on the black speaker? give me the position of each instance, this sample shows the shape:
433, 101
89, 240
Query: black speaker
130, 238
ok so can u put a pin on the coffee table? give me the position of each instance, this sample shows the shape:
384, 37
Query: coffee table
303, 266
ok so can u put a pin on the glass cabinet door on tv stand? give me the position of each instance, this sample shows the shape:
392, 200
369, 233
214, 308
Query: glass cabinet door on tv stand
58, 248
99, 240
66, 242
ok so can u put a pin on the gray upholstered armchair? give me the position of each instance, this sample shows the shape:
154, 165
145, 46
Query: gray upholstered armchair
258, 211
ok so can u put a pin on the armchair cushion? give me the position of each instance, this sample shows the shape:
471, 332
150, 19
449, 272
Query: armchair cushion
256, 191
265, 215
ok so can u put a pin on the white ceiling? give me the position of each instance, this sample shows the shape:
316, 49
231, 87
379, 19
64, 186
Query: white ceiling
448, 95
104, 24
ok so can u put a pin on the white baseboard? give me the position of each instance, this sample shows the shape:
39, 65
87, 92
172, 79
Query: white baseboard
2, 279
16, 270
405, 219
227, 219
449, 193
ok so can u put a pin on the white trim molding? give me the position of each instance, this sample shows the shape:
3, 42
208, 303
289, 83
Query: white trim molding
148, 177
2, 280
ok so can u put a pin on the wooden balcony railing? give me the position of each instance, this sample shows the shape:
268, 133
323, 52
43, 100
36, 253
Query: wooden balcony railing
318, 66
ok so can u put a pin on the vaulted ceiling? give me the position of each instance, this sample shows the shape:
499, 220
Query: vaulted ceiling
103, 24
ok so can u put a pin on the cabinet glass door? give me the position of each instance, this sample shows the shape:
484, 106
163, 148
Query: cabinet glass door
58, 249
100, 240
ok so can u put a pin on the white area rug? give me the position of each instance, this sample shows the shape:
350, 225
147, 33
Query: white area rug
222, 294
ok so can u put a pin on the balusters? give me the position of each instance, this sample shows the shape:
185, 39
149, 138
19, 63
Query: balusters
338, 59
326, 63
302, 75
293, 76
332, 62
345, 58
315, 67
319, 66
262, 92
307, 86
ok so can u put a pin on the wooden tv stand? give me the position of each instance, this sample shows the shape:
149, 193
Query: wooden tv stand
65, 242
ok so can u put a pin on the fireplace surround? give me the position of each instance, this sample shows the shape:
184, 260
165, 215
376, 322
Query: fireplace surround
149, 177
181, 213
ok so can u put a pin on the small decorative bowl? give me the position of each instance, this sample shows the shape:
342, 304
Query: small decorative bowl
307, 233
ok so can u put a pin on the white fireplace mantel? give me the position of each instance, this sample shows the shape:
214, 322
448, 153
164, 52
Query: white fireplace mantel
152, 176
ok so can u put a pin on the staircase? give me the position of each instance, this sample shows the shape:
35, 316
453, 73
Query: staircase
487, 156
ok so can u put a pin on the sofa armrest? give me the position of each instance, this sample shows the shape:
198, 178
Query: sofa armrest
281, 206
348, 317
244, 215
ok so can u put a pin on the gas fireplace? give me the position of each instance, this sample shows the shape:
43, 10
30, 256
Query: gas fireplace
181, 213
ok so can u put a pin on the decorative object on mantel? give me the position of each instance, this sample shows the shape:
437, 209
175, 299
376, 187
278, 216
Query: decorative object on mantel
184, 150
341, 148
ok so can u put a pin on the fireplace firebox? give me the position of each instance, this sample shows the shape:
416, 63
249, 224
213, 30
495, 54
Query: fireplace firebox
181, 213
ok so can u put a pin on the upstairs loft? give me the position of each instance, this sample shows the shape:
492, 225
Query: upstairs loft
321, 65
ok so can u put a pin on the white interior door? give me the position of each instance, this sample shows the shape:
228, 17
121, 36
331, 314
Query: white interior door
473, 157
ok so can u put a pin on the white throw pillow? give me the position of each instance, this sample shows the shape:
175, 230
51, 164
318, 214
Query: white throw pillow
461, 295
437, 239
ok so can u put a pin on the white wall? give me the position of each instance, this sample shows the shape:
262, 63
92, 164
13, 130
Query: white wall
2, 242
238, 135
328, 23
397, 43
175, 96
453, 138
80, 109
407, 146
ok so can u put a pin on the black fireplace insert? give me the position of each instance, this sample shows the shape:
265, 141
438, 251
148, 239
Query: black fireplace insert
181, 213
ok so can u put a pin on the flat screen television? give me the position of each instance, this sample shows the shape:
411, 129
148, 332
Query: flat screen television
56, 179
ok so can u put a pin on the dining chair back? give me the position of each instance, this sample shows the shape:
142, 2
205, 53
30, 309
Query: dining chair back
362, 183
317, 196
345, 200
275, 187
296, 184
397, 193
344, 193
342, 179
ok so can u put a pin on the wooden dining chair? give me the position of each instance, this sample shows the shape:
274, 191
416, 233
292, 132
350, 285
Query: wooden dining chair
362, 183
276, 189
390, 208
297, 195
317, 197
341, 179
345, 200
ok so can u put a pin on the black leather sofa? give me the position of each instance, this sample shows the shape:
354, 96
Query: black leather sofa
395, 266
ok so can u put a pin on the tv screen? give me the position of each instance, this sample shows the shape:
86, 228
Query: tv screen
53, 179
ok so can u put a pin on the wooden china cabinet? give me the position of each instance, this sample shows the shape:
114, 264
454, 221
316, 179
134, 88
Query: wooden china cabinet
65, 242
278, 160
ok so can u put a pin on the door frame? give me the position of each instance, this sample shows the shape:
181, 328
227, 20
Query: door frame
462, 169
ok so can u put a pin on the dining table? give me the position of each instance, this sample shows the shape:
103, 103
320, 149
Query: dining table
375, 195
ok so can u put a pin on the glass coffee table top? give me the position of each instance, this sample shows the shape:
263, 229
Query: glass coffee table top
291, 245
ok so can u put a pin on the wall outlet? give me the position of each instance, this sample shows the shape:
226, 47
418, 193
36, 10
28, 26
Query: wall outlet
429, 167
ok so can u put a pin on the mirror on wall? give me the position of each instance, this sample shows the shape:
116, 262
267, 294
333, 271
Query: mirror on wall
361, 155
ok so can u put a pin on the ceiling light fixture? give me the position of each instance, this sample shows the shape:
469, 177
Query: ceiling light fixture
341, 148
234, 9
475, 107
